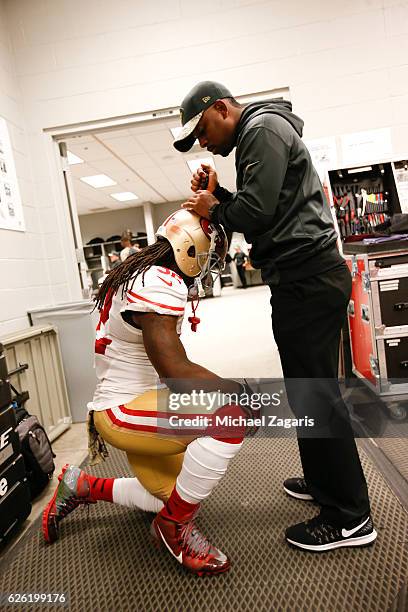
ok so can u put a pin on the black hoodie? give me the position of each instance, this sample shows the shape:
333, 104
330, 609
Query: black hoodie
279, 204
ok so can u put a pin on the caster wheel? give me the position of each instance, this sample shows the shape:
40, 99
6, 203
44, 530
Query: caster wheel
398, 412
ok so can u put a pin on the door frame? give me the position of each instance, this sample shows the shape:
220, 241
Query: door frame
56, 135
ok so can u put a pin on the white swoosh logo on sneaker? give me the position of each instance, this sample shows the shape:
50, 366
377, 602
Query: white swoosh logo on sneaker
346, 533
178, 557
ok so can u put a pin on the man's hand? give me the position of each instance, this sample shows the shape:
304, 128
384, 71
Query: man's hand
201, 175
200, 203
245, 404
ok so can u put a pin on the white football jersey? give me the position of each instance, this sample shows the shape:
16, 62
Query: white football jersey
123, 368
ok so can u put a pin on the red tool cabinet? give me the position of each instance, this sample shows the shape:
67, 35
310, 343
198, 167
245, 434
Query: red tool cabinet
378, 315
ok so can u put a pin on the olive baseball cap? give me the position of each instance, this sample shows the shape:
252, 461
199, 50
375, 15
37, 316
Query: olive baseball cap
201, 97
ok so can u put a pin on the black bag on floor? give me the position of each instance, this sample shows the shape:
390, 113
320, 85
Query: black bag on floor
35, 446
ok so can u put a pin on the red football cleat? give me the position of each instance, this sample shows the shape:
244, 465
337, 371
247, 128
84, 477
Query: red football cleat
72, 491
185, 542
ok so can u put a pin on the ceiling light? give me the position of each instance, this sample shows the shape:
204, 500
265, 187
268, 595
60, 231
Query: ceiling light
194, 164
74, 159
98, 180
124, 196
363, 169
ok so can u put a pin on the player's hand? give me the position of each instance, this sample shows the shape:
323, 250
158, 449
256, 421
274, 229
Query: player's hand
200, 177
200, 203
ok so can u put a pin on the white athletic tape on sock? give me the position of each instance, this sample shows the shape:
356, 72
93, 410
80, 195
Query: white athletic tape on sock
205, 462
129, 492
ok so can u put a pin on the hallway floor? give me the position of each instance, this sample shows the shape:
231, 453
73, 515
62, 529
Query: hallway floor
235, 339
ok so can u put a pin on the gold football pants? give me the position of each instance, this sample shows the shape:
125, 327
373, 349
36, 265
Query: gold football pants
155, 460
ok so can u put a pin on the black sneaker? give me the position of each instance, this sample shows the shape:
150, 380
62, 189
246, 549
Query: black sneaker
318, 535
297, 487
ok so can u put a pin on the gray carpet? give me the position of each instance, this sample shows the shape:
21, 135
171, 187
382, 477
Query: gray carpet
106, 561
396, 450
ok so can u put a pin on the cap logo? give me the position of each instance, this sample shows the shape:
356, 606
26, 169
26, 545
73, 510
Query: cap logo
205, 99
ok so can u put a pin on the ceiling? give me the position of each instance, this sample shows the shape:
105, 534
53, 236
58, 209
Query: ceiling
141, 159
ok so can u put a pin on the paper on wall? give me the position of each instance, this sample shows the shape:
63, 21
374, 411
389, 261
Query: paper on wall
323, 152
11, 210
366, 147
401, 176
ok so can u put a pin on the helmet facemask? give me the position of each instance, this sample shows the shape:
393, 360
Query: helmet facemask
199, 248
211, 262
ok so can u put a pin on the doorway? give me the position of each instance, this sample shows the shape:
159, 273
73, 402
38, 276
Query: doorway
124, 174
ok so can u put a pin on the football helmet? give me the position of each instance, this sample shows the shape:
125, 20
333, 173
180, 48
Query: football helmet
199, 246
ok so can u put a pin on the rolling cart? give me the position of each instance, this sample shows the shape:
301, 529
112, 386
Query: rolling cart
378, 320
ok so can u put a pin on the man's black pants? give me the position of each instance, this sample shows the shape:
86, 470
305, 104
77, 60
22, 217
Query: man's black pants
241, 274
307, 318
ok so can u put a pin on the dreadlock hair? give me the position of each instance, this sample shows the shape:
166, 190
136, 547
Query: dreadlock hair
160, 253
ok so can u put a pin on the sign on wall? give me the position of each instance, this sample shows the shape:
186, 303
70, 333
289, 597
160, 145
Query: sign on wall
366, 147
401, 176
11, 210
323, 152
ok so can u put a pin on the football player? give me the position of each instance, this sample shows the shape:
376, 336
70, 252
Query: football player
142, 303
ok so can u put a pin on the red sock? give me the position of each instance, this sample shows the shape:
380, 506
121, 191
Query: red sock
100, 488
177, 509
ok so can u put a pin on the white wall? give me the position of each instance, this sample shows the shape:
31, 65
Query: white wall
345, 63
24, 276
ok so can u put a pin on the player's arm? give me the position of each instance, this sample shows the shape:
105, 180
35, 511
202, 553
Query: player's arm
168, 356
